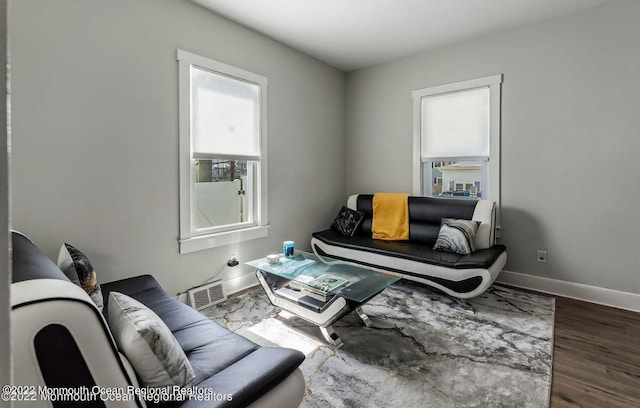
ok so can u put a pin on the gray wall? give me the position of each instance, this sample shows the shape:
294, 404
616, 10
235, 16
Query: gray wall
95, 135
5, 221
95, 129
570, 138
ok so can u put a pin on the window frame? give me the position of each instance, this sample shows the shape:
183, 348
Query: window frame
192, 239
494, 83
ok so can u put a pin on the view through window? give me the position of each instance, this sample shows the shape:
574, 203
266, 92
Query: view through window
455, 179
221, 192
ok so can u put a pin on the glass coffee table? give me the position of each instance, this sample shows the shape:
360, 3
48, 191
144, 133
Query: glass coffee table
320, 290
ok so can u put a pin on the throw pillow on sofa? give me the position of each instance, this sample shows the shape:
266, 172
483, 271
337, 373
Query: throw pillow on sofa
77, 267
348, 221
142, 336
457, 236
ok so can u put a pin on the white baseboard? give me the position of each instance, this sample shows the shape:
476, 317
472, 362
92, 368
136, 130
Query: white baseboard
593, 294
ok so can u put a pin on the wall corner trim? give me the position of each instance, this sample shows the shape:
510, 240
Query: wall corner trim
594, 294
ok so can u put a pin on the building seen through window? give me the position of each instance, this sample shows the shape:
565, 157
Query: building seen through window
457, 179
220, 170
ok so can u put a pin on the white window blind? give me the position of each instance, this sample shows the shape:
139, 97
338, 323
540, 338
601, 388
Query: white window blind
223, 153
455, 125
225, 117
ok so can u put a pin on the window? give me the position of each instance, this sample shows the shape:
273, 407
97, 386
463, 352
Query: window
223, 163
457, 140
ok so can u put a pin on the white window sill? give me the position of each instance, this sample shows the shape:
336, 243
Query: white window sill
219, 239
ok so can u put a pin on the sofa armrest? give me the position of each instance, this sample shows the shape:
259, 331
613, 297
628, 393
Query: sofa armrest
485, 213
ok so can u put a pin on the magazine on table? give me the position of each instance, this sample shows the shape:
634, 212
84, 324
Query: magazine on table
300, 281
320, 287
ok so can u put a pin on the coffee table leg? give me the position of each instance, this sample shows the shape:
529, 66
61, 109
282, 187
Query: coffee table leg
363, 316
331, 336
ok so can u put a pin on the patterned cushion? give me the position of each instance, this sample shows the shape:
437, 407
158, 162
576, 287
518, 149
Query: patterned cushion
348, 221
142, 336
457, 236
77, 267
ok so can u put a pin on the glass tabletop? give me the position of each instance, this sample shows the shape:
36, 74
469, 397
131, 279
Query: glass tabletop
352, 282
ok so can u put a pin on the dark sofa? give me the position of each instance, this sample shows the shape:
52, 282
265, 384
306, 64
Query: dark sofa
462, 276
61, 340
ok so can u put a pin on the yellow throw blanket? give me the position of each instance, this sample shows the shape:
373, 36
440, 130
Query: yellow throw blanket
390, 216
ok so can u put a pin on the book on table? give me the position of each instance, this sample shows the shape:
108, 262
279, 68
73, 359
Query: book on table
300, 281
321, 287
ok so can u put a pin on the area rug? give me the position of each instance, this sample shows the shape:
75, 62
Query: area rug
422, 350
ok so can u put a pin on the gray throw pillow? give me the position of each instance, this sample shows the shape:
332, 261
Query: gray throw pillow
457, 236
149, 345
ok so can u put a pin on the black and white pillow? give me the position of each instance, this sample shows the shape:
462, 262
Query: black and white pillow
457, 236
348, 221
77, 267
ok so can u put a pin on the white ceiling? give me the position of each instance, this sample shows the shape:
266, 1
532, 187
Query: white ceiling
354, 34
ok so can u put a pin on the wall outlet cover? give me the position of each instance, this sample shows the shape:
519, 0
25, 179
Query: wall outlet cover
542, 255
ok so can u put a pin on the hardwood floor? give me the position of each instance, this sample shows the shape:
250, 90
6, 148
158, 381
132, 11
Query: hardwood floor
596, 361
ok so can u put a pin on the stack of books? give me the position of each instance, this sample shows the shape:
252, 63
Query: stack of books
322, 287
300, 281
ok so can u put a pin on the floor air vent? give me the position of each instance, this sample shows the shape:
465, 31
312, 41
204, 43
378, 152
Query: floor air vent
207, 295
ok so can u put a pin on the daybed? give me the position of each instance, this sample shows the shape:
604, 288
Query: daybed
61, 340
461, 276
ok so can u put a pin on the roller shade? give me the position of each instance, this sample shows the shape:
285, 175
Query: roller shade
455, 125
225, 120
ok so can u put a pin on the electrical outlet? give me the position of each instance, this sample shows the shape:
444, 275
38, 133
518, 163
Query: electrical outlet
233, 260
542, 255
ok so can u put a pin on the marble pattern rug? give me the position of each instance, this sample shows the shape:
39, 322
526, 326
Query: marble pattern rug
423, 349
